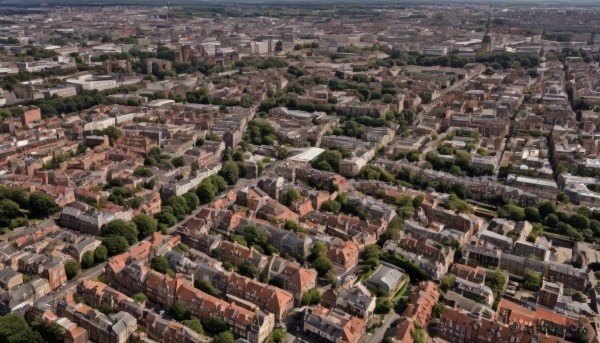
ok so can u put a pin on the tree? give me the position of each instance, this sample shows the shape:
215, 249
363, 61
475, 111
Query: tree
552, 220
139, 298
192, 200
577, 296
413, 156
215, 325
311, 297
14, 329
51, 332
18, 222
323, 165
579, 222
289, 197
584, 211
532, 214
113, 133
513, 212
531, 280
230, 172
195, 167
150, 184
546, 207
120, 228
142, 172
145, 224
419, 335
372, 252
42, 205
206, 287
293, 226
261, 132
179, 311
160, 264
497, 282
460, 190
580, 337
282, 152
248, 269
178, 162
322, 264
20, 196
438, 309
318, 249
447, 282
194, 324
100, 254
329, 158
206, 191
331, 206
219, 182
418, 200
87, 260
179, 206
277, 336
223, 337
115, 245
403, 200
166, 216
595, 226
383, 305
71, 269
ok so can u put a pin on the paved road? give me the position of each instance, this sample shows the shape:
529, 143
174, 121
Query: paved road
427, 108
72, 284
95, 271
379, 334
269, 170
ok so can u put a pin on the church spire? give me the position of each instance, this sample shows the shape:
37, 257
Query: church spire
486, 42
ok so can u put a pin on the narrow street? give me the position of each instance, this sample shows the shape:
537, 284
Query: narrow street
72, 284
380, 333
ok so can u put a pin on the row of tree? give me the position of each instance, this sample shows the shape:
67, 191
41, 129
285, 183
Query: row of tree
17, 206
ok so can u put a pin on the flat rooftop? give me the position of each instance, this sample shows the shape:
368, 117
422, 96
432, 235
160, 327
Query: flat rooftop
307, 155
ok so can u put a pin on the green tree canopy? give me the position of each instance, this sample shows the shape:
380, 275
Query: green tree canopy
139, 298
180, 312
206, 191
531, 280
115, 245
322, 264
248, 269
289, 197
160, 264
71, 269
224, 337
311, 297
87, 260
230, 172
120, 228
194, 324
383, 305
215, 325
14, 329
51, 332
145, 225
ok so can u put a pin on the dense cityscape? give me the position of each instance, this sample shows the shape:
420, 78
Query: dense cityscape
296, 173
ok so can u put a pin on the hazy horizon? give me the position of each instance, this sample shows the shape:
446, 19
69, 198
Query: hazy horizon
560, 3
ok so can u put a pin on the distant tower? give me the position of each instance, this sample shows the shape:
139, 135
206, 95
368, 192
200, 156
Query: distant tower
168, 8
486, 42
543, 51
